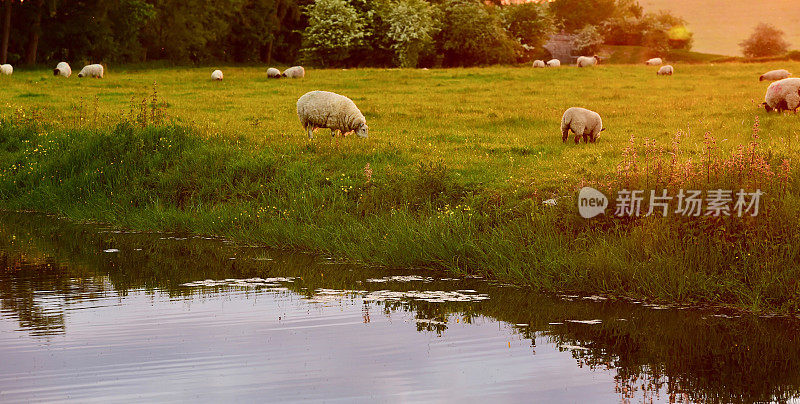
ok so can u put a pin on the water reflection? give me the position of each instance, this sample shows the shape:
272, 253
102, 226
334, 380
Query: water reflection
60, 280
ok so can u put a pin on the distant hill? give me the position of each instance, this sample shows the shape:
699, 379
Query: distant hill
719, 25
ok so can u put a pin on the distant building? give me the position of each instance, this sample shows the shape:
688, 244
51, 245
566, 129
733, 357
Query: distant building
560, 47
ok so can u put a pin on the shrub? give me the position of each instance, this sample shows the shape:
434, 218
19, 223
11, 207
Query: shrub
588, 40
411, 26
471, 35
334, 29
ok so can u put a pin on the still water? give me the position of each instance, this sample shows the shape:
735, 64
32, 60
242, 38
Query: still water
92, 314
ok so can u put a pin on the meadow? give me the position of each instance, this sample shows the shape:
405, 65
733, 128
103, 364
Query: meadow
453, 175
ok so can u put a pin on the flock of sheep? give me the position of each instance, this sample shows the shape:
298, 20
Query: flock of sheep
323, 109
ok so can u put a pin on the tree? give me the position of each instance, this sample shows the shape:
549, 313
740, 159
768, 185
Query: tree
766, 40
528, 23
471, 35
6, 29
334, 29
576, 14
411, 26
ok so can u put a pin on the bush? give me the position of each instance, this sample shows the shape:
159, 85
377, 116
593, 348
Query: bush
588, 40
334, 29
766, 40
411, 26
471, 35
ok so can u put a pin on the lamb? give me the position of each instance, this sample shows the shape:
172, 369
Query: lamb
553, 63
295, 72
783, 95
538, 63
95, 71
586, 61
6, 69
654, 62
582, 122
665, 70
62, 69
216, 75
273, 73
324, 109
773, 75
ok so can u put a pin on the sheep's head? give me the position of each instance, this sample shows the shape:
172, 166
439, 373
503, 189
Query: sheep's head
766, 106
55, 72
761, 78
80, 74
362, 131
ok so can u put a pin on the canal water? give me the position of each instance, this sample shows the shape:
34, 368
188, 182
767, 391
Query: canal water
93, 314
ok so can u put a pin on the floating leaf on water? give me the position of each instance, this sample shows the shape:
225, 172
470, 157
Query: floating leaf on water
591, 322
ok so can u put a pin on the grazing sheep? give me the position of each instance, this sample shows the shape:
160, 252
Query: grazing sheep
324, 109
582, 122
62, 69
586, 61
216, 75
783, 95
773, 75
654, 62
295, 72
6, 70
553, 63
665, 70
273, 73
95, 71
538, 63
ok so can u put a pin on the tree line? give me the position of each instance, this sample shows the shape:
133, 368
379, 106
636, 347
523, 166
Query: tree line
323, 32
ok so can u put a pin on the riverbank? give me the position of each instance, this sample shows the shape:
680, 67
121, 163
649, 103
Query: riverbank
467, 202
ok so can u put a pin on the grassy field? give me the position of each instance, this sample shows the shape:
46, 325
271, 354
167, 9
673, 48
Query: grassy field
453, 174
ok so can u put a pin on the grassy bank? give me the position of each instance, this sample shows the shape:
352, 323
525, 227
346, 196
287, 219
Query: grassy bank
453, 174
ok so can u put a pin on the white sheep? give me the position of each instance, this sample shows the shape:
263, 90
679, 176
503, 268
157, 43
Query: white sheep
783, 95
295, 72
216, 75
665, 70
62, 69
6, 69
586, 61
324, 109
95, 71
654, 62
773, 75
553, 63
582, 122
273, 73
538, 63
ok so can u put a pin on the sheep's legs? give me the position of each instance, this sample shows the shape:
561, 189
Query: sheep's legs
564, 135
310, 132
585, 138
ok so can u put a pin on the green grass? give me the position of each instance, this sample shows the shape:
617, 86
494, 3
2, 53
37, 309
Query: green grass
461, 160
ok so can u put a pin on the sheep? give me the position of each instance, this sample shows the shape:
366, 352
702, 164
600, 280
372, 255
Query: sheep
654, 62
582, 122
216, 75
586, 61
773, 75
95, 71
295, 72
538, 63
783, 95
62, 69
273, 73
324, 109
553, 63
665, 70
6, 69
